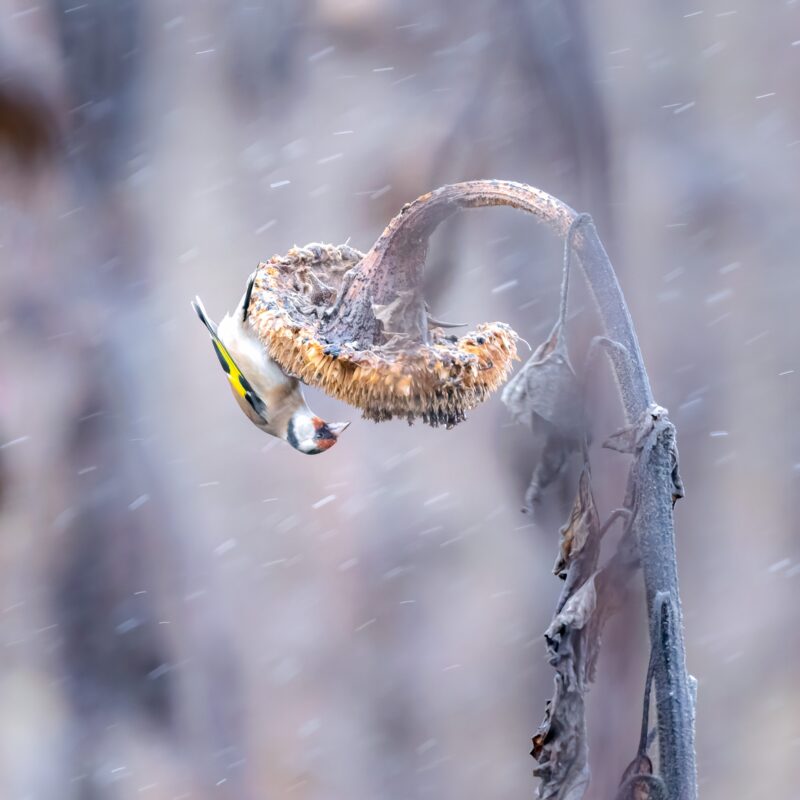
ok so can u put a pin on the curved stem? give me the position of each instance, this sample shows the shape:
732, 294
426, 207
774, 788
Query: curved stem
394, 264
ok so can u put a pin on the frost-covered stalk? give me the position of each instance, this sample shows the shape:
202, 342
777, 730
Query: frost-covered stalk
395, 265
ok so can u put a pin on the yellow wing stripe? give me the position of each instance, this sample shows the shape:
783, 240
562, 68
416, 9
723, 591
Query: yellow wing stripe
231, 370
240, 384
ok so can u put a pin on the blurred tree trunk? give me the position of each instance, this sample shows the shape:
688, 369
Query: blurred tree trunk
117, 582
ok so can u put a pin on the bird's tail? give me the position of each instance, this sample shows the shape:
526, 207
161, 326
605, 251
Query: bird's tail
226, 361
197, 305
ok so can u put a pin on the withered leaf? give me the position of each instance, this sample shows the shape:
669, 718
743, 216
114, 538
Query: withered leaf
545, 395
641, 765
552, 463
559, 744
631, 438
583, 524
639, 783
547, 387
543, 732
575, 614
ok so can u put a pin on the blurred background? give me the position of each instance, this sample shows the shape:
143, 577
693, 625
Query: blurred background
190, 609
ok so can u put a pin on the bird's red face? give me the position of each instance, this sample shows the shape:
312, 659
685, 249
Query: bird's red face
326, 434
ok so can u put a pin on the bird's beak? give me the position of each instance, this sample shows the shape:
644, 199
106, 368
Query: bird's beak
337, 427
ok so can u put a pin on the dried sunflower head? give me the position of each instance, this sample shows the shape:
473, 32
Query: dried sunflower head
390, 364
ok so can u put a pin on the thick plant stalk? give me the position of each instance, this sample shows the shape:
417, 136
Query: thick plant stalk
674, 689
394, 264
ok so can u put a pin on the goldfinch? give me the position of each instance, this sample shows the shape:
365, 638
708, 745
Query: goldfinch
272, 400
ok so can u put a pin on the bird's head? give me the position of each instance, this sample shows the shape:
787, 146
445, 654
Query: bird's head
312, 435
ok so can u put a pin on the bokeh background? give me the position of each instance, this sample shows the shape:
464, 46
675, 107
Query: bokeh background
189, 609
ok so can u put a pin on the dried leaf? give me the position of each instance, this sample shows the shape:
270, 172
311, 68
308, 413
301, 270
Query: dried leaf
624, 440
547, 387
560, 745
543, 735
574, 615
641, 765
553, 461
639, 783
583, 525
631, 438
545, 395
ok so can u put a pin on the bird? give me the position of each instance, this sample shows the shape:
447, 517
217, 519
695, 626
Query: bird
272, 400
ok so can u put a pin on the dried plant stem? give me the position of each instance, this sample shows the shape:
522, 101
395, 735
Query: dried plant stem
392, 270
654, 523
657, 484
